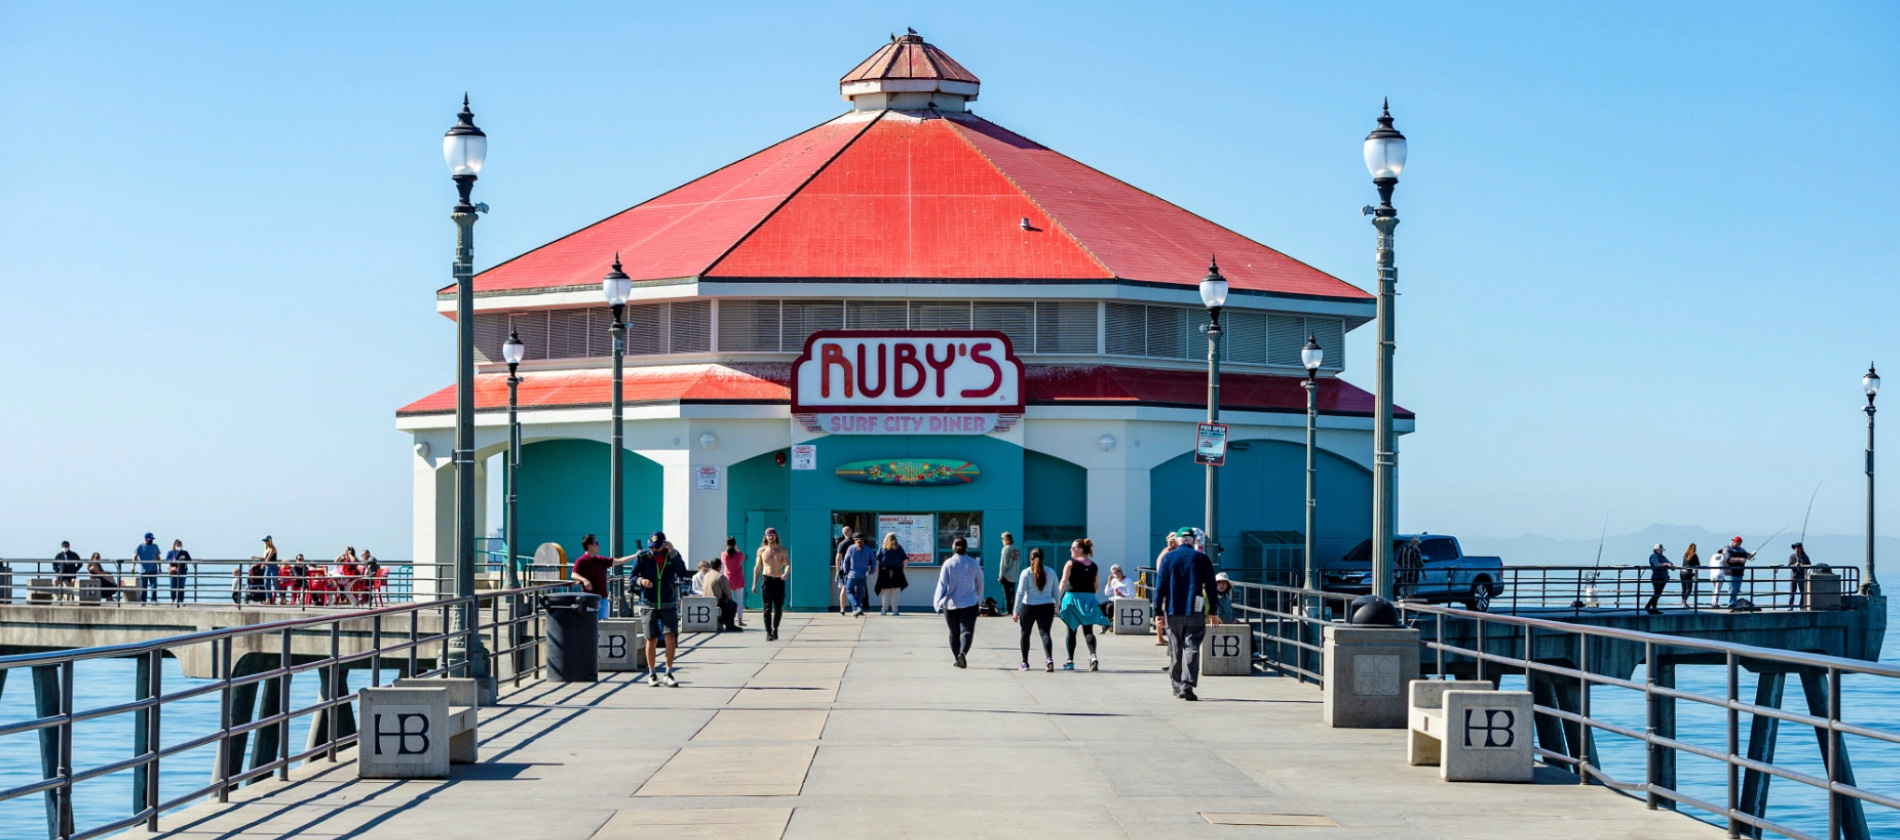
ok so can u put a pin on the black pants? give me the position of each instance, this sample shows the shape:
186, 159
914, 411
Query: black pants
178, 589
1688, 588
1042, 616
962, 629
1797, 588
1009, 594
772, 593
1088, 631
1656, 585
728, 612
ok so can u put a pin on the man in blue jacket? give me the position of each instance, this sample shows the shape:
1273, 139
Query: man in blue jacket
1183, 596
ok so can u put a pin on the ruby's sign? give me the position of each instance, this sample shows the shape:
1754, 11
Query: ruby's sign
905, 382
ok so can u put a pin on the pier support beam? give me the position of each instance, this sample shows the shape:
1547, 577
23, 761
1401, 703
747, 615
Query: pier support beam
270, 739
46, 696
345, 715
1762, 734
1853, 818
1666, 728
243, 711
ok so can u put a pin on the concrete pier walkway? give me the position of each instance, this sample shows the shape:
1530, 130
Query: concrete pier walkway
861, 728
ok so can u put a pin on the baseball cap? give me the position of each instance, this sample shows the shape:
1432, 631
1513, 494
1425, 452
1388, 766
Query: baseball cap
148, 535
771, 532
266, 538
1186, 532
1658, 547
657, 537
1735, 540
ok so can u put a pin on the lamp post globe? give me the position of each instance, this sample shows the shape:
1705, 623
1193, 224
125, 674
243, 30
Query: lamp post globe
1312, 355
616, 286
1870, 384
1214, 296
1385, 158
465, 148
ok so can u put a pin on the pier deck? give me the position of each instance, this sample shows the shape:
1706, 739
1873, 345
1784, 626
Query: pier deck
861, 728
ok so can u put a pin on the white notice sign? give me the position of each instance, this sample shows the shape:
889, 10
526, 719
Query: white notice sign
805, 456
916, 532
706, 478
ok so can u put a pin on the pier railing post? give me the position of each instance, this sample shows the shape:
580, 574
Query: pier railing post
1652, 752
1734, 745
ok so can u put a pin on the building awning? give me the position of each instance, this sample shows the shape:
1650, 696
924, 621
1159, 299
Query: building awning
767, 384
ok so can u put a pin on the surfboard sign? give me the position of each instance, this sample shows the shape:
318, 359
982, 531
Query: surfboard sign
910, 472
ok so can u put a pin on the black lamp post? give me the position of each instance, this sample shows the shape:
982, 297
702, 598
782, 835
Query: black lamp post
512, 352
1871, 384
465, 147
1311, 356
616, 286
1214, 296
1385, 157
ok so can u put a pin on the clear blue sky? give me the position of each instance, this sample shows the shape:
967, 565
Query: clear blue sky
1643, 257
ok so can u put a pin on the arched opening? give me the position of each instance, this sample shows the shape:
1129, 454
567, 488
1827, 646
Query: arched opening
1055, 505
563, 495
1263, 505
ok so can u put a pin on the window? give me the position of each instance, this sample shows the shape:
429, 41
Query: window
748, 326
491, 329
801, 318
1016, 320
532, 327
1066, 327
940, 315
1245, 335
876, 314
646, 329
690, 326
569, 335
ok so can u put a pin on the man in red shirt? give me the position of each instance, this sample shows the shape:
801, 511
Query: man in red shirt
591, 570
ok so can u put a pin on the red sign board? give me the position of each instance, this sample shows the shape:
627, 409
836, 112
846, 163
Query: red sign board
907, 375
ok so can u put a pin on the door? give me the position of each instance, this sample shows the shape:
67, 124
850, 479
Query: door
756, 521
1438, 574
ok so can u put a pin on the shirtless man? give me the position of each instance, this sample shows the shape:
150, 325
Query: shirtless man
774, 563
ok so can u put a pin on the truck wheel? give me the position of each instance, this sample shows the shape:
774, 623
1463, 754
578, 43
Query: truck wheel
1480, 598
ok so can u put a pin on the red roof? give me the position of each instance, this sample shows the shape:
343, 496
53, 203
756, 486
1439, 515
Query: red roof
767, 384
910, 195
909, 57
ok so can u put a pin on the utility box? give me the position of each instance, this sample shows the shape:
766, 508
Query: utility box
1227, 651
1824, 590
699, 614
1366, 672
1133, 617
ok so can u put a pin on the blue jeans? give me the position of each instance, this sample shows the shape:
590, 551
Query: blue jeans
854, 588
1734, 590
603, 609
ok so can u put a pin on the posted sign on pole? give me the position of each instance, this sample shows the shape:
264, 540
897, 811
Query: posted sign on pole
1210, 444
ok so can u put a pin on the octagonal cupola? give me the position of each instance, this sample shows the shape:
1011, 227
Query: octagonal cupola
908, 74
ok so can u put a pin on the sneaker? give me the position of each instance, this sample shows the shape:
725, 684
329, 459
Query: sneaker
1188, 694
670, 681
1023, 667
1049, 665
1094, 665
1068, 666
653, 678
961, 662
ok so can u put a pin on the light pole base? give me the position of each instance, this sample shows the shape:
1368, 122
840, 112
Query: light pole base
1870, 589
487, 691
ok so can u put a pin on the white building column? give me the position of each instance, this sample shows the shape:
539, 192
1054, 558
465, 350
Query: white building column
432, 527
1119, 508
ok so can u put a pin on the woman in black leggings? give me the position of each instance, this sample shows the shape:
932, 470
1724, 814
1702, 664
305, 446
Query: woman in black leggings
1036, 605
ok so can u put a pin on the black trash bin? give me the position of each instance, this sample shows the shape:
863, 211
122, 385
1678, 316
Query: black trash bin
573, 634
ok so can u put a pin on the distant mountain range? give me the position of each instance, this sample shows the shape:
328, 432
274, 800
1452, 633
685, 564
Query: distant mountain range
1633, 549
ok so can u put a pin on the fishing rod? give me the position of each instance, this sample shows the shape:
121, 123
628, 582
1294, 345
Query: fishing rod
1595, 567
1804, 517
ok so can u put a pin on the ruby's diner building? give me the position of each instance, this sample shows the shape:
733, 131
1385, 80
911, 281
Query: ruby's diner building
910, 319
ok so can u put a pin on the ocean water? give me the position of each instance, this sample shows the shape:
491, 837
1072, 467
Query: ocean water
1874, 704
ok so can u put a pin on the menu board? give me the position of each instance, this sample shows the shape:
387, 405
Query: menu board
916, 532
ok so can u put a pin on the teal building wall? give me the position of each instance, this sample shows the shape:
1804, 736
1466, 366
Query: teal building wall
563, 495
1263, 488
1055, 506
758, 493
814, 494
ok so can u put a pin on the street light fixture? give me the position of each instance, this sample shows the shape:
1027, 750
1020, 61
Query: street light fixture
512, 352
1312, 356
465, 148
1214, 296
1870, 384
1385, 158
616, 286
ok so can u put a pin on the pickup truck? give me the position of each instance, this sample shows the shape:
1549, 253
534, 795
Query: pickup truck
1447, 574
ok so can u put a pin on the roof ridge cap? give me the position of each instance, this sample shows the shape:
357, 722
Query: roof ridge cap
1053, 219
1157, 198
794, 193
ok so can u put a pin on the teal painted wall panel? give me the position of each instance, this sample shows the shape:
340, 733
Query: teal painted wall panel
1263, 488
1055, 492
758, 495
563, 494
814, 494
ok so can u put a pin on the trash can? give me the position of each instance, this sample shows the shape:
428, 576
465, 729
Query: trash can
573, 636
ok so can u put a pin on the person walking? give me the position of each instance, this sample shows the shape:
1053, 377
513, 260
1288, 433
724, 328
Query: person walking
65, 570
891, 580
592, 569
858, 560
732, 562
1035, 606
1160, 621
1081, 608
177, 565
1735, 565
1659, 567
1009, 567
1798, 564
1691, 566
845, 543
959, 592
1183, 592
146, 554
773, 565
658, 574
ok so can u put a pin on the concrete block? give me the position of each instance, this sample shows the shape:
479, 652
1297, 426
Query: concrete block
402, 735
1227, 651
39, 590
462, 723
88, 592
1824, 591
1425, 729
622, 645
1133, 617
6, 586
699, 614
1477, 735
1365, 673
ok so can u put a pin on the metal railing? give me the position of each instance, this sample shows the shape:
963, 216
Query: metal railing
244, 659
1561, 662
1577, 588
215, 582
